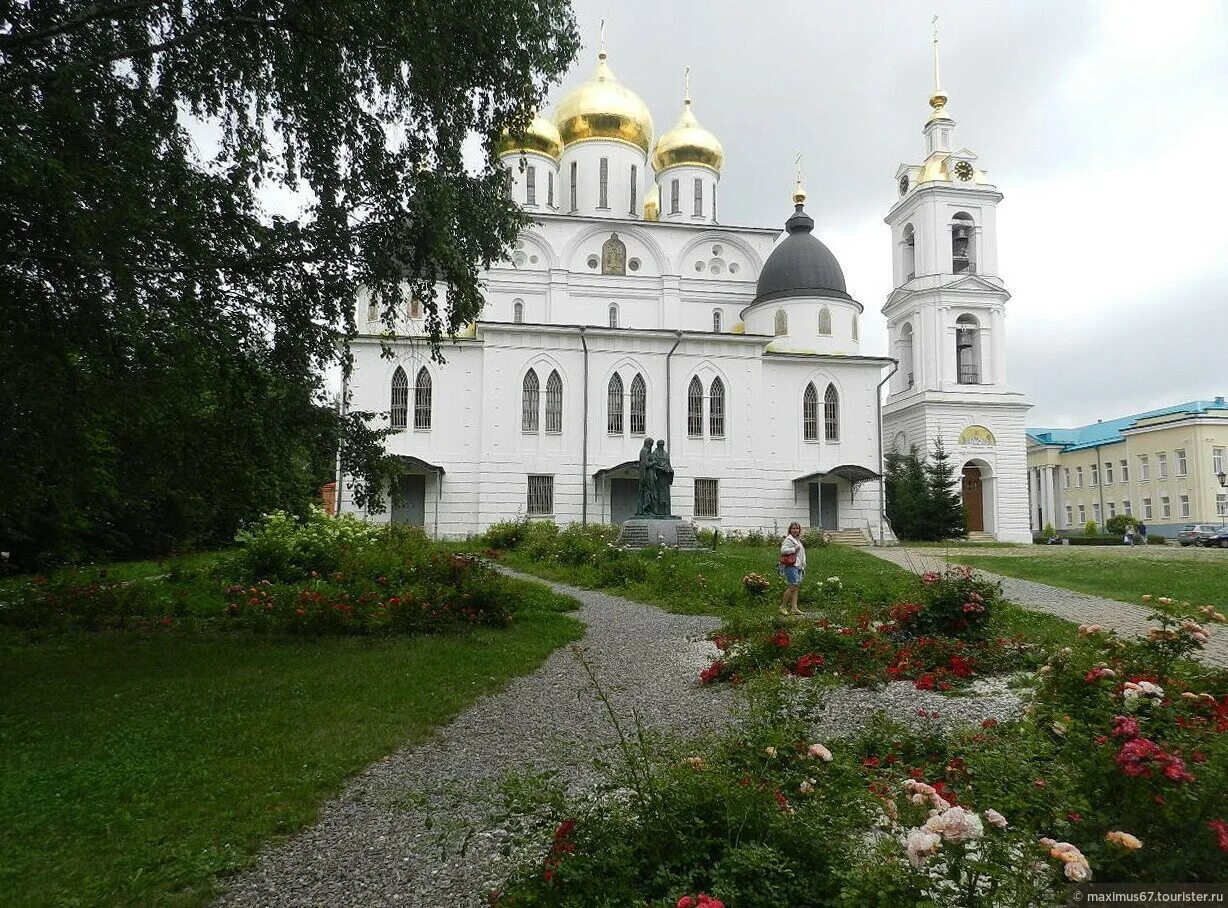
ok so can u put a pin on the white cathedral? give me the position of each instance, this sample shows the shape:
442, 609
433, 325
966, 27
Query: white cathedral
628, 312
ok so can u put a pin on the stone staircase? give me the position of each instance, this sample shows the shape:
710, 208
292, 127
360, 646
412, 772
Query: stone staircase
975, 537
850, 537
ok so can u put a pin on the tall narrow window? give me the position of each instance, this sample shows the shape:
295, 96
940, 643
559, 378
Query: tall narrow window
422, 400
529, 407
908, 252
706, 498
603, 184
614, 405
398, 415
1162, 466
716, 409
634, 189
554, 403
1182, 467
855, 328
573, 186
825, 321
907, 367
782, 322
639, 405
716, 321
613, 315
963, 244
699, 197
673, 197
1218, 459
518, 311
695, 409
541, 496
831, 414
968, 350
530, 185
550, 188
415, 307
810, 413
713, 201
372, 310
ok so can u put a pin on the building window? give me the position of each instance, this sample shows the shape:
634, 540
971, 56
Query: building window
1069, 516
673, 197
1065, 477
1161, 466
554, 403
1096, 512
1217, 460
824, 321
716, 321
1184, 502
573, 185
1095, 468
603, 184
422, 400
855, 329
695, 409
1127, 508
714, 201
415, 307
831, 414
1181, 464
1221, 504
614, 405
613, 315
1079, 477
716, 409
968, 350
1166, 507
782, 322
541, 496
963, 244
398, 416
810, 413
518, 311
1146, 508
707, 502
372, 310
529, 409
639, 405
1125, 471
1144, 468
909, 245
1112, 509
530, 185
1082, 514
1108, 472
550, 188
699, 197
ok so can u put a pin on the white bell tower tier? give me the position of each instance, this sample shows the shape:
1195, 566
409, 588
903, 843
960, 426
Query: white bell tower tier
946, 326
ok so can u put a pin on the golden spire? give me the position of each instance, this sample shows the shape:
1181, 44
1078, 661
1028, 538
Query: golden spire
799, 193
686, 92
938, 98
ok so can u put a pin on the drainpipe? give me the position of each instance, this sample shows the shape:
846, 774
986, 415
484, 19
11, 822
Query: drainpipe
882, 481
584, 444
1100, 486
668, 395
345, 391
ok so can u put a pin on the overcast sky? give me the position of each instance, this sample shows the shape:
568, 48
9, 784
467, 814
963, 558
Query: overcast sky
1104, 125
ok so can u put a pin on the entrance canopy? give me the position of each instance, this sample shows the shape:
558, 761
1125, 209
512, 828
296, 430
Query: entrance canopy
630, 467
417, 463
847, 471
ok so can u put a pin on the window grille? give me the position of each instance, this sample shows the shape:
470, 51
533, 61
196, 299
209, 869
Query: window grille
554, 403
614, 404
824, 321
530, 185
707, 500
695, 409
810, 413
831, 414
639, 405
603, 184
1217, 460
716, 409
699, 197
422, 400
716, 321
398, 417
1095, 475
541, 496
529, 402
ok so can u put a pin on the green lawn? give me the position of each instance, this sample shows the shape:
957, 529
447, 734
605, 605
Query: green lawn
1117, 577
137, 767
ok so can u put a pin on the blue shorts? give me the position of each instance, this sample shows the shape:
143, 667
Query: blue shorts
792, 575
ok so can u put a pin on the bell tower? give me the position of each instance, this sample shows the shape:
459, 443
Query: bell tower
946, 326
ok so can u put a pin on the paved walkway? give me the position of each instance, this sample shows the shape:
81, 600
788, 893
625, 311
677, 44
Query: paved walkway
1124, 617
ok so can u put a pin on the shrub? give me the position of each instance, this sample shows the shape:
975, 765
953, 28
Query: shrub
954, 603
1090, 528
814, 538
281, 546
1048, 532
1117, 524
505, 536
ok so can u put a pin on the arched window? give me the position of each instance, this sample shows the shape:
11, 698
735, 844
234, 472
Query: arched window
963, 243
554, 403
716, 409
614, 404
695, 409
909, 251
422, 400
831, 414
904, 353
398, 415
810, 413
968, 350
613, 315
782, 322
639, 405
824, 321
518, 311
716, 321
529, 409
856, 330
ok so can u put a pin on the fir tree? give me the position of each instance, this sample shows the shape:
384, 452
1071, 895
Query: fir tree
945, 516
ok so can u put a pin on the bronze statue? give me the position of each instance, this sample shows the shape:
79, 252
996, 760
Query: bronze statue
648, 482
664, 478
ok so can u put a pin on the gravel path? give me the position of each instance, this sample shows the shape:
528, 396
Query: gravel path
1125, 618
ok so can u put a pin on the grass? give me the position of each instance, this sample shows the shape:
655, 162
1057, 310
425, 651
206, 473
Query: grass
138, 767
1125, 579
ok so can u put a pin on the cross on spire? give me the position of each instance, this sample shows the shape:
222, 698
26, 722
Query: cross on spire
601, 54
937, 79
687, 80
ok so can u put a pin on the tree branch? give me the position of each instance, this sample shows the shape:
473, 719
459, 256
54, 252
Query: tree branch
91, 13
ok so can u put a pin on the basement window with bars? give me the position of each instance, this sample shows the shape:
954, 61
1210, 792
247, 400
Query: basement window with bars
707, 502
541, 496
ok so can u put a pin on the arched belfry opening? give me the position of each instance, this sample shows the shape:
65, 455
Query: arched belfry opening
968, 350
963, 244
908, 252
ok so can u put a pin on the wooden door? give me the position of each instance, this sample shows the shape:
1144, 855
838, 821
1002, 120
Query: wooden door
974, 504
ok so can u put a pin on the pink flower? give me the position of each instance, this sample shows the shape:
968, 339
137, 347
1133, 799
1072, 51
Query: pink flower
1220, 828
920, 844
819, 752
687, 901
1124, 839
995, 818
956, 824
1125, 727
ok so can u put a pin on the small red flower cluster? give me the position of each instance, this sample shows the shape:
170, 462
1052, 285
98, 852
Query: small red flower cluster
703, 900
562, 845
712, 672
1141, 756
1220, 828
806, 666
781, 639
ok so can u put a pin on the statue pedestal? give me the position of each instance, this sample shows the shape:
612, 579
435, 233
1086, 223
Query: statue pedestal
671, 532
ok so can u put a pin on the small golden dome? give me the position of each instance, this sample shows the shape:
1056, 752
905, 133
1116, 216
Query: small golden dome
688, 143
604, 108
938, 101
652, 203
542, 136
799, 193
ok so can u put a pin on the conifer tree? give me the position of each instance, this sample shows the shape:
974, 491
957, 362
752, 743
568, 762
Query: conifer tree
945, 517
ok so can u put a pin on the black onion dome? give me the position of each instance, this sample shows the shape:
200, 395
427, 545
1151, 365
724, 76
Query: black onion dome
801, 265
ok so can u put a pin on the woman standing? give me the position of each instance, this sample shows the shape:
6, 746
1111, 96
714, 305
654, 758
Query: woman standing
792, 567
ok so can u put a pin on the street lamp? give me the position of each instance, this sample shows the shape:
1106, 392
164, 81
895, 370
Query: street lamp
1223, 484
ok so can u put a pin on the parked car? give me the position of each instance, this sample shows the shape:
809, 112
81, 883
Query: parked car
1198, 533
1220, 539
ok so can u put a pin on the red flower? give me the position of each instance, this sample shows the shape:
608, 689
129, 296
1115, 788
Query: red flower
1220, 828
712, 672
1101, 739
807, 664
925, 682
1074, 816
872, 762
781, 639
1125, 727
721, 642
989, 723
300, 612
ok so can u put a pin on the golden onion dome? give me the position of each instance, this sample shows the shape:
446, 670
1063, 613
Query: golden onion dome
688, 143
542, 136
652, 203
604, 108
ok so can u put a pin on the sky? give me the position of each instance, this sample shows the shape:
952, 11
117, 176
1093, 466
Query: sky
1103, 124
